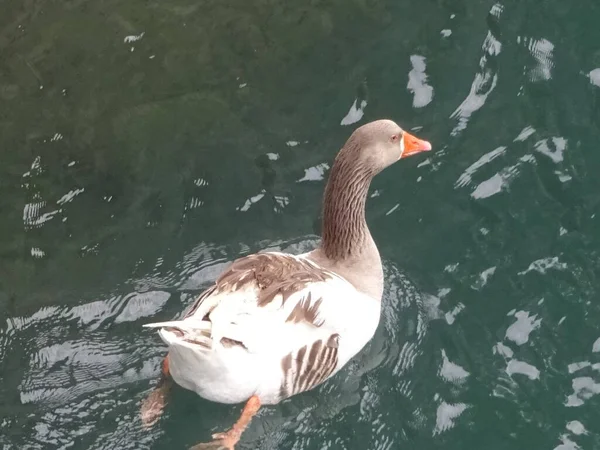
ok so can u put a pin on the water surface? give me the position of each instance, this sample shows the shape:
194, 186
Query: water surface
145, 145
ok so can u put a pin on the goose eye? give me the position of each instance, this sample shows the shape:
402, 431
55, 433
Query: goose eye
395, 138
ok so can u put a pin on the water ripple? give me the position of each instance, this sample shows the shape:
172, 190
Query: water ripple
85, 361
485, 80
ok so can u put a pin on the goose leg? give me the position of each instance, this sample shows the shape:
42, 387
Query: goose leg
153, 405
228, 439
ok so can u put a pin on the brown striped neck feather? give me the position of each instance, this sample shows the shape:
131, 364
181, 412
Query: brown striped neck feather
344, 230
369, 150
347, 246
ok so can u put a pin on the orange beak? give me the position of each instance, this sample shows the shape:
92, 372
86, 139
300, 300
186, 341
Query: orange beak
414, 145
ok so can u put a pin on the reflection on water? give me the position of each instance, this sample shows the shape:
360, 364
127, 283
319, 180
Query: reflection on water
87, 367
145, 146
486, 79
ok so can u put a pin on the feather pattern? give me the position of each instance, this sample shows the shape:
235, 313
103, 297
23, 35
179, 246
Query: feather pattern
306, 368
269, 326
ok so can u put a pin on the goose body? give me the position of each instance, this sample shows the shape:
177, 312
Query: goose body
274, 324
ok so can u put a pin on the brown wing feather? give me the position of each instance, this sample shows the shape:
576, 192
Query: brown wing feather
309, 366
273, 274
306, 311
207, 293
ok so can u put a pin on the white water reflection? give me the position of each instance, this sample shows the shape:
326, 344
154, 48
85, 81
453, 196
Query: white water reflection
315, 173
524, 134
553, 148
521, 367
417, 82
142, 305
69, 196
484, 82
503, 350
355, 113
466, 177
576, 427
567, 444
584, 388
249, 202
594, 77
519, 331
133, 38
452, 372
542, 51
500, 181
483, 278
542, 265
37, 252
574, 367
37, 211
446, 416
450, 316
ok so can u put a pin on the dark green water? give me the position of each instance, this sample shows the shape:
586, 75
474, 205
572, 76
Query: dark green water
143, 145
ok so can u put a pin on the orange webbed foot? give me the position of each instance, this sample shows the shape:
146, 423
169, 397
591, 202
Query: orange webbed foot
222, 441
153, 405
227, 440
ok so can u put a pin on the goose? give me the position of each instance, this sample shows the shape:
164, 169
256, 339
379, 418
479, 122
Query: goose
274, 324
